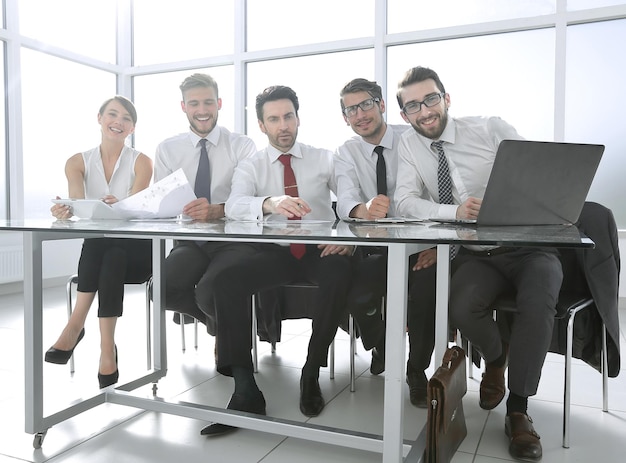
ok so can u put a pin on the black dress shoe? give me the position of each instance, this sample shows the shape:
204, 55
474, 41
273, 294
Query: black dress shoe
107, 380
524, 442
241, 403
417, 387
61, 357
311, 400
378, 361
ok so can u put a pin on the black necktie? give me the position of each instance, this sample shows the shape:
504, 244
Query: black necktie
381, 172
444, 183
202, 187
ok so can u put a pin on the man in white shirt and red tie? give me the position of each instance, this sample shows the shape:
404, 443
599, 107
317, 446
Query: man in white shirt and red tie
287, 181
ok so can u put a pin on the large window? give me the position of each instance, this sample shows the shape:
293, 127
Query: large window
317, 80
60, 103
534, 63
415, 16
595, 101
182, 30
288, 23
159, 114
87, 28
584, 4
3, 144
506, 75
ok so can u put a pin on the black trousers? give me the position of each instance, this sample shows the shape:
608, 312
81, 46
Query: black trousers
271, 266
106, 264
421, 313
536, 276
190, 270
369, 285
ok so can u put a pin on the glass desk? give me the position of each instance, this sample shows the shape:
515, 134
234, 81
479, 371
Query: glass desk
401, 241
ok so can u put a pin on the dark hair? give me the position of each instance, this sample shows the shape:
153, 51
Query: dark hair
276, 92
128, 106
415, 75
199, 80
361, 85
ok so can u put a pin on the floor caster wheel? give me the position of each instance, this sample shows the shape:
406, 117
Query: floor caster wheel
38, 439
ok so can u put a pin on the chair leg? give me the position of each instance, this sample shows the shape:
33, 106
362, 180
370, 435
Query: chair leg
255, 354
195, 333
148, 326
568, 372
568, 379
605, 372
182, 333
332, 360
470, 359
352, 352
68, 289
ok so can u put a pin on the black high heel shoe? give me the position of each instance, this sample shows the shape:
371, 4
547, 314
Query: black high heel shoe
61, 357
107, 380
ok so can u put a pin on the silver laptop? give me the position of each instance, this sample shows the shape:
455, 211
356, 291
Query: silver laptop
537, 183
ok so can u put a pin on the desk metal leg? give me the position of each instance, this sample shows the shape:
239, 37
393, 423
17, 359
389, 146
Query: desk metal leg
33, 344
443, 293
158, 299
397, 277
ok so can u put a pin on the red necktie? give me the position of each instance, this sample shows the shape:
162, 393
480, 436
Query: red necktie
291, 189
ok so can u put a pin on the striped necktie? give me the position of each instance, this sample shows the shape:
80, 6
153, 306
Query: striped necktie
444, 183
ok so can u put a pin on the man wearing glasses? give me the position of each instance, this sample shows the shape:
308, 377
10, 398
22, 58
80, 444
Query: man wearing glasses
450, 159
366, 168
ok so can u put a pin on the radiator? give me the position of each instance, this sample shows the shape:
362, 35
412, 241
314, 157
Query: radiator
11, 264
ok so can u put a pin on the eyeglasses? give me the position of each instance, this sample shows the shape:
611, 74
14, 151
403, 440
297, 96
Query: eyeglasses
366, 105
413, 107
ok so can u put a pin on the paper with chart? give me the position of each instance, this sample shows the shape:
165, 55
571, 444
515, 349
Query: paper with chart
163, 199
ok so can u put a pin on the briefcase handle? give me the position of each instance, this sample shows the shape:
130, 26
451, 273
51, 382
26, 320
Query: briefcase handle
451, 354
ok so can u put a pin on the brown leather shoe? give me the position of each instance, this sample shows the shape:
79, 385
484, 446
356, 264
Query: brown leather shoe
524, 441
492, 388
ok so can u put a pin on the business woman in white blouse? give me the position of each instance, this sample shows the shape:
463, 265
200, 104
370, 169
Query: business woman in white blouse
109, 172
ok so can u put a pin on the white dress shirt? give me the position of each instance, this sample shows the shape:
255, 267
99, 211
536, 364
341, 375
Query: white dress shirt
121, 183
355, 169
225, 150
470, 145
261, 176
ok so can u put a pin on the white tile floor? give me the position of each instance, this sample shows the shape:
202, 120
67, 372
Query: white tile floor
114, 433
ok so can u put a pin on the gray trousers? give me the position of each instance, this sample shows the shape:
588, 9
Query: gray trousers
535, 274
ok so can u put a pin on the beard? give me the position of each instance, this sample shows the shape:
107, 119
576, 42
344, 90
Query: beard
283, 143
435, 132
200, 129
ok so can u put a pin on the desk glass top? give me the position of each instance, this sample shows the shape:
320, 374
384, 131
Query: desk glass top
311, 231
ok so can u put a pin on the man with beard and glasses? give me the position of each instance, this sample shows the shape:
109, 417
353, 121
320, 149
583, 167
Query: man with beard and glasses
462, 150
190, 265
287, 180
366, 167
